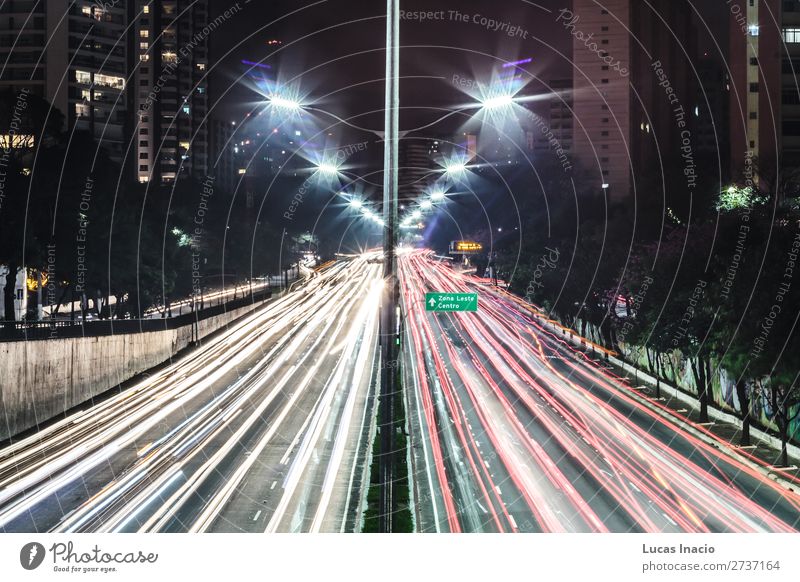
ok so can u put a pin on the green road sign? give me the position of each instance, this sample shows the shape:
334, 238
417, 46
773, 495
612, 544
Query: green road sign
451, 302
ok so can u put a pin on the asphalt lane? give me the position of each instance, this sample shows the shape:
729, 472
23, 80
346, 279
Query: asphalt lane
512, 429
274, 413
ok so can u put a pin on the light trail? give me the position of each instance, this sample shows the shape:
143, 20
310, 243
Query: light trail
176, 451
551, 441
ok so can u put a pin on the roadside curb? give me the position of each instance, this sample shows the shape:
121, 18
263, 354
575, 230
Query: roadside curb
563, 333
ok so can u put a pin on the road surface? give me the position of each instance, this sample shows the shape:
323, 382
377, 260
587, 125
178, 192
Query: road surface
264, 428
511, 429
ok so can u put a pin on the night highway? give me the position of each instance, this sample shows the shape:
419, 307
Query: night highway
264, 428
345, 267
512, 429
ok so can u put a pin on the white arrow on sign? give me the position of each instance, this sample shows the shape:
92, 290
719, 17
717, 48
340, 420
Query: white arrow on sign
432, 301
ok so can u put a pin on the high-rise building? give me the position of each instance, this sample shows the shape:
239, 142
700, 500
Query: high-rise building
553, 125
171, 84
417, 159
601, 91
711, 112
73, 54
789, 47
764, 58
223, 149
632, 95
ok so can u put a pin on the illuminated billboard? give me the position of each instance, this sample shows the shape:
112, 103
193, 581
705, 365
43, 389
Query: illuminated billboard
465, 247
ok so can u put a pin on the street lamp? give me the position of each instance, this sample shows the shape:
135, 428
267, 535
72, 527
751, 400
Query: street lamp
497, 102
284, 103
327, 169
455, 168
391, 288
492, 106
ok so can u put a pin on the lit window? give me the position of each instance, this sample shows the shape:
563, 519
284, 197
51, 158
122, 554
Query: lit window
144, 33
752, 30
87, 10
83, 77
169, 57
82, 110
791, 35
9, 141
144, 46
146, 9
201, 66
110, 81
144, 57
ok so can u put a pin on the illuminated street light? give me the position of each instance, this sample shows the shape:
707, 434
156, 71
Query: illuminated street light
498, 102
355, 204
328, 169
455, 168
284, 103
426, 204
437, 196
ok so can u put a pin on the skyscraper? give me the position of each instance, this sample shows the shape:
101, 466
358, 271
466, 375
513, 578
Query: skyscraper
172, 130
417, 165
553, 126
764, 61
75, 55
633, 90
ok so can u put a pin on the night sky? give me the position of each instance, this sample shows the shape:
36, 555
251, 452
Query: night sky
333, 45
334, 51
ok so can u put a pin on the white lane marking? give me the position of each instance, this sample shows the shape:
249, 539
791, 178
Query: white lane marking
257, 515
273, 485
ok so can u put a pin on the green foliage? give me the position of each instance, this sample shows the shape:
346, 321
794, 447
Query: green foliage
734, 198
113, 237
715, 291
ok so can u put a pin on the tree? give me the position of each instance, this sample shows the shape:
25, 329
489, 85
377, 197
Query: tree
25, 210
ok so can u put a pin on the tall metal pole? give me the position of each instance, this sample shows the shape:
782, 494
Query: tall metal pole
389, 348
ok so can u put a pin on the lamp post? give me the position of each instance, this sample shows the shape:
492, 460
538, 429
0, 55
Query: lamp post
389, 348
